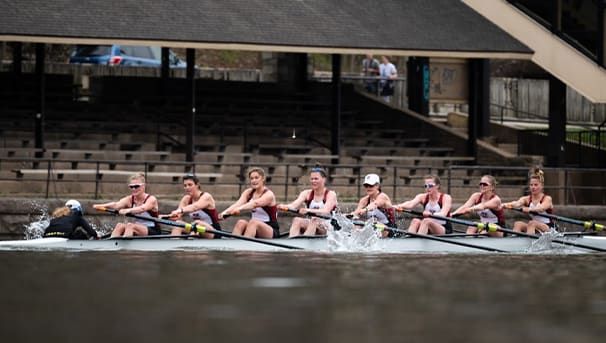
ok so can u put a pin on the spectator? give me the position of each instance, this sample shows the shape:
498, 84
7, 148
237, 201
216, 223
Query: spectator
370, 70
388, 73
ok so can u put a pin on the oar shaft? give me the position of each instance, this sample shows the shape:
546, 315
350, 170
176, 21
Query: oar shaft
439, 239
479, 225
311, 214
555, 240
202, 229
586, 224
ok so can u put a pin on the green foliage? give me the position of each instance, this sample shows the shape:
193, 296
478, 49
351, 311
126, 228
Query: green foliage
321, 61
587, 137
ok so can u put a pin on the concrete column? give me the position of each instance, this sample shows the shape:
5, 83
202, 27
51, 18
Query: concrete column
417, 84
478, 124
336, 107
556, 153
40, 94
191, 101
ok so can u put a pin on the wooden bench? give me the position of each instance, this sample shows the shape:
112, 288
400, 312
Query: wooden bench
436, 151
21, 152
101, 154
281, 149
417, 159
221, 155
60, 173
308, 158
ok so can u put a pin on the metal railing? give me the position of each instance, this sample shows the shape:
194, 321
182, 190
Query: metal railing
568, 186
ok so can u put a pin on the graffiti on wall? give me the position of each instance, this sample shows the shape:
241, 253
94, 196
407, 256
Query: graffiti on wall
448, 81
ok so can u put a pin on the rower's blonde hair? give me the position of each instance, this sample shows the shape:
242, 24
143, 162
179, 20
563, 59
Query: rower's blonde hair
140, 176
493, 181
537, 174
61, 212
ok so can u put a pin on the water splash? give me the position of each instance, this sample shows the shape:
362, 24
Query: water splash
545, 242
350, 238
41, 219
36, 228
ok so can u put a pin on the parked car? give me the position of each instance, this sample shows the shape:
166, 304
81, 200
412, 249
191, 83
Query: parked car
125, 55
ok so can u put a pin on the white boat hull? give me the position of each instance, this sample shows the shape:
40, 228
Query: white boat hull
398, 245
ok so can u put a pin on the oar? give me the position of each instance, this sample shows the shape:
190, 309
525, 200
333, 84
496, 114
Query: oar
311, 214
494, 227
333, 220
480, 226
382, 227
154, 237
199, 229
587, 225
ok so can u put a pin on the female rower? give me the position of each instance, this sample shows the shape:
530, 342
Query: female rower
318, 200
537, 201
199, 205
487, 204
261, 201
434, 203
376, 205
139, 203
67, 221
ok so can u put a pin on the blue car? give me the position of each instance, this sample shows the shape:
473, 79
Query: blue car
125, 55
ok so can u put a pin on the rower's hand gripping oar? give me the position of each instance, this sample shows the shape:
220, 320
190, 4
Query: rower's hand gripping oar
490, 227
333, 220
198, 228
588, 225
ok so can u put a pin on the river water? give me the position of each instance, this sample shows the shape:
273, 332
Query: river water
291, 296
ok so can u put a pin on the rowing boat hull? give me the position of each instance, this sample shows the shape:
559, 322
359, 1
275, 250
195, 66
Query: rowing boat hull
401, 245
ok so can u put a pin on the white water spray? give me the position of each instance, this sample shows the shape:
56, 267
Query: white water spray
350, 238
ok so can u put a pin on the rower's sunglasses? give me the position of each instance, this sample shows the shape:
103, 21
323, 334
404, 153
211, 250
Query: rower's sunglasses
483, 184
429, 185
135, 185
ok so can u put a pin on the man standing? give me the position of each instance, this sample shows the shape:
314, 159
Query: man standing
370, 70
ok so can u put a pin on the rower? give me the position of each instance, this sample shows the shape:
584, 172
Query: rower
376, 205
537, 201
318, 200
137, 202
434, 203
488, 206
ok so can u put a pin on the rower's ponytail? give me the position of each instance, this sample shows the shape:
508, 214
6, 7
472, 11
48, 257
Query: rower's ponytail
538, 174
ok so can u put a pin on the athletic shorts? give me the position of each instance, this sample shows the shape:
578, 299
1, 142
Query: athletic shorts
276, 227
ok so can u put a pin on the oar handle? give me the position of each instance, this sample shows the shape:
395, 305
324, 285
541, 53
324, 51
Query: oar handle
105, 209
311, 214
